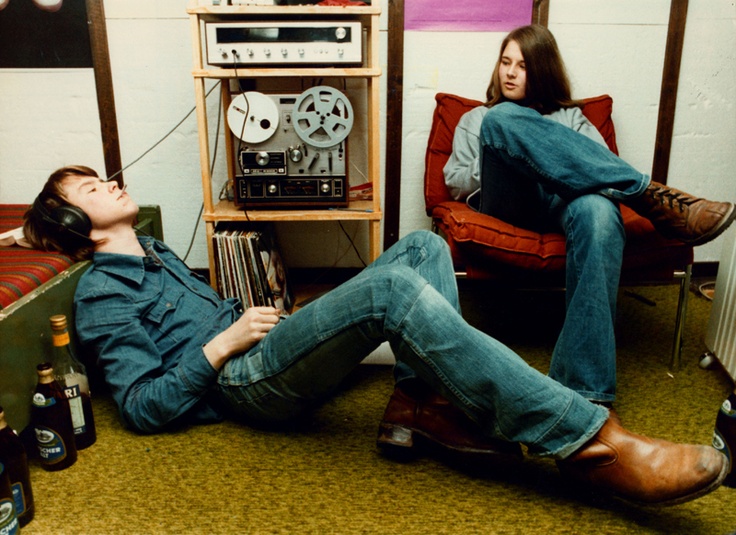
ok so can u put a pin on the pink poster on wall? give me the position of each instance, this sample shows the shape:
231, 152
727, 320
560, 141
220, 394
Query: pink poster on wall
466, 15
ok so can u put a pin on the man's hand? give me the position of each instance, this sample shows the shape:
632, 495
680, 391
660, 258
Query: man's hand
246, 332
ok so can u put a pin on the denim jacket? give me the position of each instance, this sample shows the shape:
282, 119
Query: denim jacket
147, 320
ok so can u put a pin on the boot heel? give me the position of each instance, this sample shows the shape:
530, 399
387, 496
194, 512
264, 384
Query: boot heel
395, 438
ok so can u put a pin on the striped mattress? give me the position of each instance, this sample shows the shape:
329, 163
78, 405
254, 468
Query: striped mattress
23, 270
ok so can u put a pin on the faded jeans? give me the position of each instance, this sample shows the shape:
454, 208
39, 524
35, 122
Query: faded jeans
408, 297
541, 175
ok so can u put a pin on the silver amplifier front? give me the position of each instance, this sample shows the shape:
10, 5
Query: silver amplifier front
283, 42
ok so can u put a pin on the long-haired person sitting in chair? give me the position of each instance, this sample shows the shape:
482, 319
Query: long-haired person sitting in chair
530, 157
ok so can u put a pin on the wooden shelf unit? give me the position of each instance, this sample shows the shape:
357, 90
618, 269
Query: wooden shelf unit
223, 211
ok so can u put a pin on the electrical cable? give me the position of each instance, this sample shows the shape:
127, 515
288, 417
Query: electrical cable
242, 135
212, 166
163, 138
352, 243
214, 157
212, 170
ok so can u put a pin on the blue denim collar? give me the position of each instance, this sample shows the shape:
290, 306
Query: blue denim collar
130, 267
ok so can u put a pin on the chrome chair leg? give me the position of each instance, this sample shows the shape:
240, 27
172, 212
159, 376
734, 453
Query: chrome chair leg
684, 277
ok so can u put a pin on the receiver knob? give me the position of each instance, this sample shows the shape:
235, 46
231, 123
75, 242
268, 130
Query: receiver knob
262, 158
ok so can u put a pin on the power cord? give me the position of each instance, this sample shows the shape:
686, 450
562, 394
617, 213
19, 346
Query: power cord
352, 244
163, 138
212, 170
214, 157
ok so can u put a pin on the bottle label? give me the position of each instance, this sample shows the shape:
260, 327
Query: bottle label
74, 395
51, 446
8, 520
19, 498
720, 444
60, 339
39, 400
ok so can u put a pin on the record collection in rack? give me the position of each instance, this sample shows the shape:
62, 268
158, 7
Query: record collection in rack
249, 266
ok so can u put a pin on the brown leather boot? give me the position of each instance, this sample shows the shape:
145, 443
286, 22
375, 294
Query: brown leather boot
419, 415
643, 470
678, 215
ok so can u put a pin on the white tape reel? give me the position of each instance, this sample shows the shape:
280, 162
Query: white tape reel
253, 117
322, 117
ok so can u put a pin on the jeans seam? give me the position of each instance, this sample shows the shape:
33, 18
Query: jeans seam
465, 401
541, 438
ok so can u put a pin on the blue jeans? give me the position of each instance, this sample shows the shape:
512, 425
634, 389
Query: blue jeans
539, 174
408, 297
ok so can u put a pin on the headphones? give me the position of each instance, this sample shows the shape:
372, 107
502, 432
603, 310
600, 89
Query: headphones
67, 220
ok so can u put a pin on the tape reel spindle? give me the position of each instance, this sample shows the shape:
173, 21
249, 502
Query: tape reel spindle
323, 116
253, 117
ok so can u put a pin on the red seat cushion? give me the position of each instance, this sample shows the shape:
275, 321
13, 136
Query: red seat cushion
485, 246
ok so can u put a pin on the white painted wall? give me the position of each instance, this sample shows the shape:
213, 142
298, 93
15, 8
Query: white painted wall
615, 47
49, 118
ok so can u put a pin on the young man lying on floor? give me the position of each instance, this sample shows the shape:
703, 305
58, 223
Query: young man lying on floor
173, 351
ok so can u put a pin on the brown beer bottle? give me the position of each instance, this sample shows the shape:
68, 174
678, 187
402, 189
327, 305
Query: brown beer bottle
724, 435
52, 422
8, 519
71, 375
13, 456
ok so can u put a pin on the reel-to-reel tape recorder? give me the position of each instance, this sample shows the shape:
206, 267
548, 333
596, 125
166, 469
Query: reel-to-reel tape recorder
291, 149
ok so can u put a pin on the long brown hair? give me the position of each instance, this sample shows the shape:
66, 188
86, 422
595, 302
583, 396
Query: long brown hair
547, 84
42, 235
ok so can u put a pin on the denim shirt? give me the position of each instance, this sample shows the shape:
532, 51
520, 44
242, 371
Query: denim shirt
147, 320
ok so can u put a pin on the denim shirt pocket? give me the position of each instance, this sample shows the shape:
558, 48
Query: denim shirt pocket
166, 321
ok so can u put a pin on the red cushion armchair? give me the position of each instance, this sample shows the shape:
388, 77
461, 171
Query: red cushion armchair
484, 247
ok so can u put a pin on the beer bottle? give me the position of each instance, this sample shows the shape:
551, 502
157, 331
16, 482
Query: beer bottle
52, 422
8, 519
724, 436
72, 377
13, 456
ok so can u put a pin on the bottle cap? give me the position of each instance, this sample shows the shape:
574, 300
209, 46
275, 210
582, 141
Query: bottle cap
58, 322
44, 368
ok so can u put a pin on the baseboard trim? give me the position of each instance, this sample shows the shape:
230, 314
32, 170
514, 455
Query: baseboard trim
335, 276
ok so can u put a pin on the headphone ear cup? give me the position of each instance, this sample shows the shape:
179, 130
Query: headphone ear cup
72, 219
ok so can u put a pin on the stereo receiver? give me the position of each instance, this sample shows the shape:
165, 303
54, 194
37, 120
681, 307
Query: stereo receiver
283, 42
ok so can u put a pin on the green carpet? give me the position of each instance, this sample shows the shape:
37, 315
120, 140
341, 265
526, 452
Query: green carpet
327, 476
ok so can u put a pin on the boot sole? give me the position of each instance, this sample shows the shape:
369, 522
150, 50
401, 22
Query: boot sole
399, 439
720, 229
